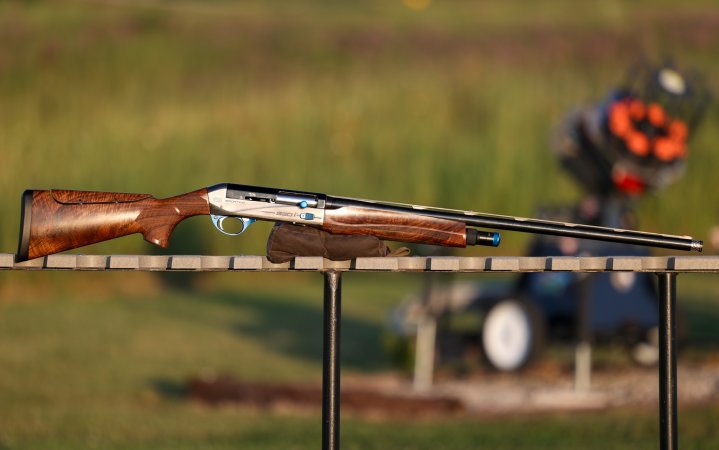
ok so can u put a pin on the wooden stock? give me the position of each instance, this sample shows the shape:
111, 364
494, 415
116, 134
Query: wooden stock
395, 226
59, 220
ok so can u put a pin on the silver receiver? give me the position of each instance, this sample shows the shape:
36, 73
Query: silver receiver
250, 206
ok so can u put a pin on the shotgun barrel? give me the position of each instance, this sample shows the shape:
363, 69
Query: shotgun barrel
535, 226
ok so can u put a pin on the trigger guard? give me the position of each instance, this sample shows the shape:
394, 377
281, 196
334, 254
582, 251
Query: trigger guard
218, 220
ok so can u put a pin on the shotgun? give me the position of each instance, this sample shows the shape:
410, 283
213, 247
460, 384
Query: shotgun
56, 220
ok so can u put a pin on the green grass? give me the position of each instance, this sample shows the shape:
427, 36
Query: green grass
226, 429
449, 106
98, 370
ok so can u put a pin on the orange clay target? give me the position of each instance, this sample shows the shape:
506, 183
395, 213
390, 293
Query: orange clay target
628, 120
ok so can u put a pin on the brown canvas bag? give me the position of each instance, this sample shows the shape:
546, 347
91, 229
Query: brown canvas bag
287, 241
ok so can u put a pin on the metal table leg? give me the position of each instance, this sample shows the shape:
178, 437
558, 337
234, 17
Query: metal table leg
667, 362
331, 362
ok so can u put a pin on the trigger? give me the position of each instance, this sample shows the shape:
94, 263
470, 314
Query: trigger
217, 221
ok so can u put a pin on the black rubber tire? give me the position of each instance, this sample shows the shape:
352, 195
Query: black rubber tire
512, 335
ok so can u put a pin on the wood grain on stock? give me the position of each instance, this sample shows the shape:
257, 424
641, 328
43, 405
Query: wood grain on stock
395, 226
62, 220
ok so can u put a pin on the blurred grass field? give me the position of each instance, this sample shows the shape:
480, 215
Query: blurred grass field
105, 369
450, 105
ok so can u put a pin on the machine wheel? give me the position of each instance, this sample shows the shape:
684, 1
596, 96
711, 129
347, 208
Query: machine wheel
646, 352
512, 335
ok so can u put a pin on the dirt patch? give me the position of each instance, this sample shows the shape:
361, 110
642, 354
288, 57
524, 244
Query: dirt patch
538, 391
366, 399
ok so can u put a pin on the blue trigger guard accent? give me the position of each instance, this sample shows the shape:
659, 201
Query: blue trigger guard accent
218, 220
